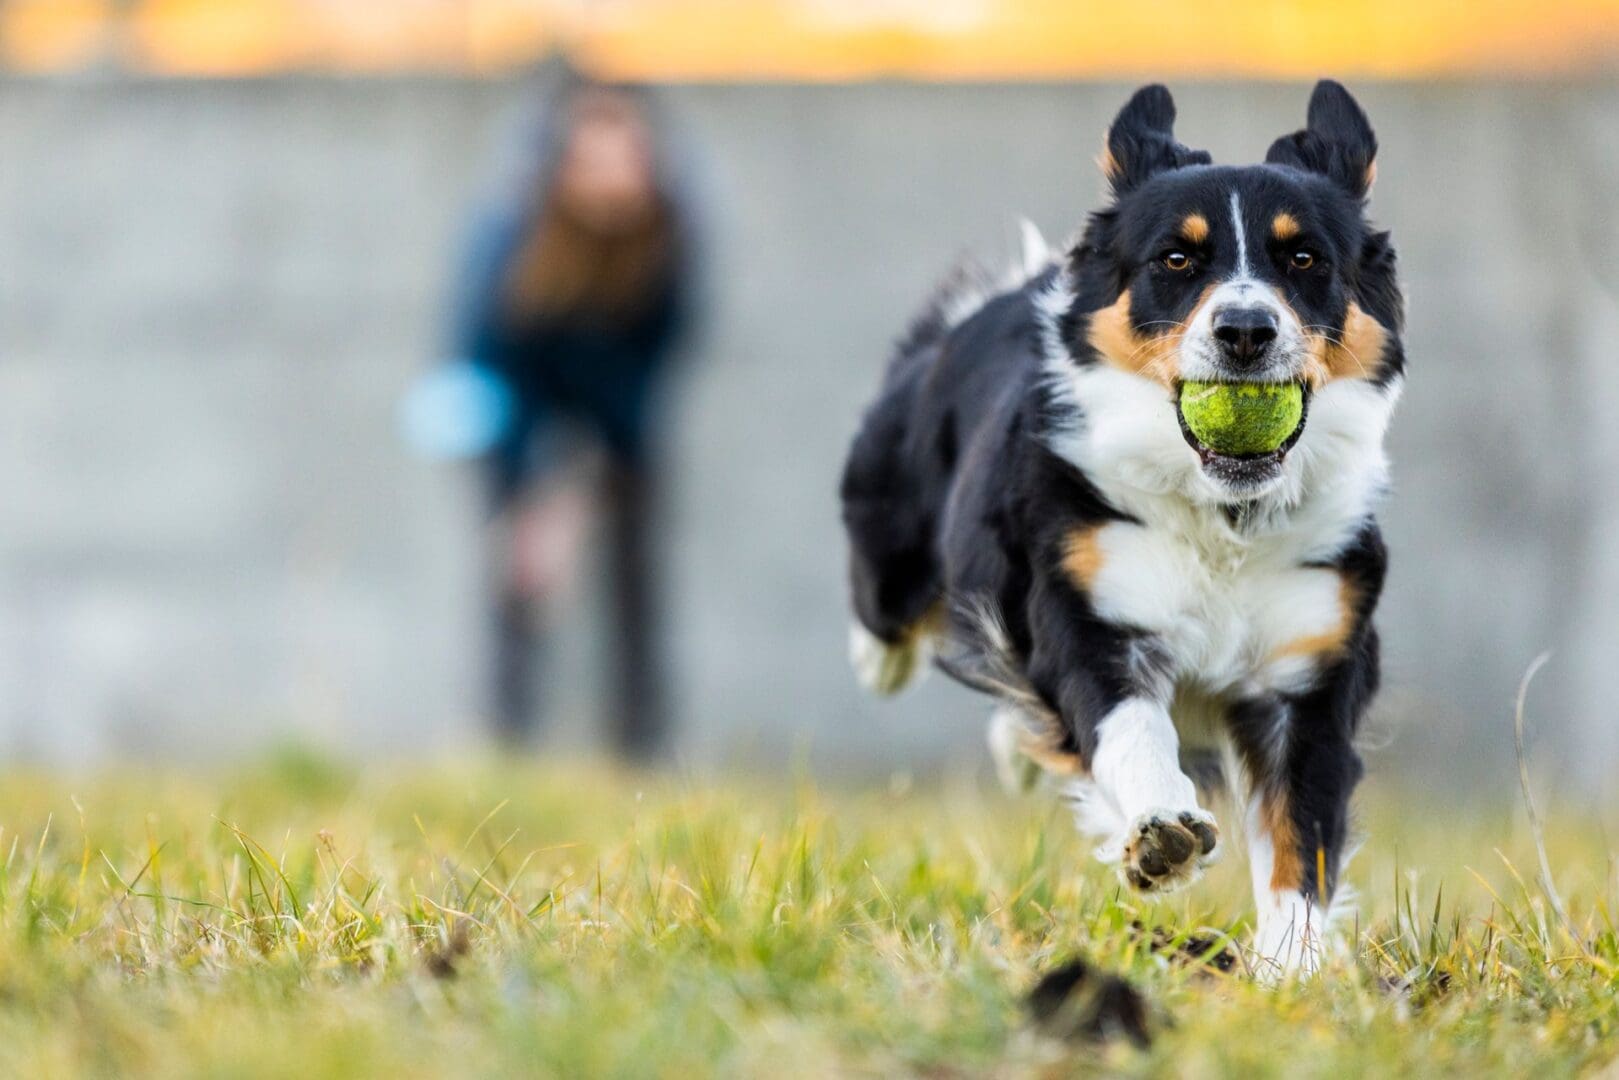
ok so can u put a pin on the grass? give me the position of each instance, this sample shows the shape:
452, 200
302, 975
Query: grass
486, 919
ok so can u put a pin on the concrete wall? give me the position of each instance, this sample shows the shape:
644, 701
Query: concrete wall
213, 294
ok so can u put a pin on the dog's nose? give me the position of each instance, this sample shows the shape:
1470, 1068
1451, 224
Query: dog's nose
1244, 333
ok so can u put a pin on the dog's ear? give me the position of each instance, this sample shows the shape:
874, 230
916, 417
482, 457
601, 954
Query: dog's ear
1141, 141
1337, 141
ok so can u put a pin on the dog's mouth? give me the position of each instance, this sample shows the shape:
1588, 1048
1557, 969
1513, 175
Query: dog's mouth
1243, 471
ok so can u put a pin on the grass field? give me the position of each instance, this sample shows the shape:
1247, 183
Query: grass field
482, 919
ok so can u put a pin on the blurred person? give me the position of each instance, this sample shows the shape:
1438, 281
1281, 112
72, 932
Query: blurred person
573, 300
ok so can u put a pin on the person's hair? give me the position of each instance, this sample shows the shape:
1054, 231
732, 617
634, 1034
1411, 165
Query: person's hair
565, 268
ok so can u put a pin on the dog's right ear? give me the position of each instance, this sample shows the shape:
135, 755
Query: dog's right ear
1141, 142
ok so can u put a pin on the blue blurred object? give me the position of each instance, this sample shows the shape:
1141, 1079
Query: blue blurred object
458, 410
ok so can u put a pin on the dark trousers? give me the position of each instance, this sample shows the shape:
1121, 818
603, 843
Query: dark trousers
637, 721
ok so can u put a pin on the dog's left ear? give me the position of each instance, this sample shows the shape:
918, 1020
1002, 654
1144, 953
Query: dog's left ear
1337, 141
1141, 141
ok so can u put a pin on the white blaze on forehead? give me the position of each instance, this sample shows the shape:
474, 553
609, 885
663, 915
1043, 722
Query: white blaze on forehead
1242, 289
1243, 269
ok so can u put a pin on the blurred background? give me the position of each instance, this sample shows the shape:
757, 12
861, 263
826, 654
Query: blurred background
229, 233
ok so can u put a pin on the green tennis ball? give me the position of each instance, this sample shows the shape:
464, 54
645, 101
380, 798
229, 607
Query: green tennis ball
1242, 418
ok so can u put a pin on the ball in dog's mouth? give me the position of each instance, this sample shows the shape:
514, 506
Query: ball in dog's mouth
1242, 431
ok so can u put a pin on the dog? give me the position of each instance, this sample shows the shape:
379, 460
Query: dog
1026, 505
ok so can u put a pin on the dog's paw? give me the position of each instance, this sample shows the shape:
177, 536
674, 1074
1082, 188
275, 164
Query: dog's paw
1290, 941
882, 667
1166, 849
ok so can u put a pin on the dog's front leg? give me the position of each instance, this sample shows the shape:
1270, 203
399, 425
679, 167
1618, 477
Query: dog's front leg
1162, 838
1301, 768
1135, 794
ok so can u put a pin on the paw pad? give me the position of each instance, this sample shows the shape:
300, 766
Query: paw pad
1166, 850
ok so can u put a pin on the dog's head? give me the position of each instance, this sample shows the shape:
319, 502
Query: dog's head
1264, 273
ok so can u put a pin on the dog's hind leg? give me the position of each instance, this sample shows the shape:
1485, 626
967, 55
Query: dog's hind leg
1024, 748
887, 667
894, 581
1017, 772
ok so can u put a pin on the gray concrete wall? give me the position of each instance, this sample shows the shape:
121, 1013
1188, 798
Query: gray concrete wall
213, 294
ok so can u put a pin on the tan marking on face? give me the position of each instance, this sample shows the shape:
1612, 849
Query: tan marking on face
1330, 642
1195, 228
1287, 861
1114, 336
1284, 226
1356, 353
1116, 340
1371, 176
1082, 556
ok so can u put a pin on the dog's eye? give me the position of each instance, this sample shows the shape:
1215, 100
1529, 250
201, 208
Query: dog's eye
1177, 260
1303, 260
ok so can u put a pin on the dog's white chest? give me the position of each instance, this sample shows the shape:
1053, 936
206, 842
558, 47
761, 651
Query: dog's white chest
1232, 616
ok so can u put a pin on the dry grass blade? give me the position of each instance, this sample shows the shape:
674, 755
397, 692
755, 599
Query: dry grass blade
1536, 828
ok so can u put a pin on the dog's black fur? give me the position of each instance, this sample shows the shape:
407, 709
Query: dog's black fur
972, 520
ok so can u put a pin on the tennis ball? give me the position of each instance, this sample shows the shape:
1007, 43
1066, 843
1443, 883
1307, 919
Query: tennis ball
1242, 418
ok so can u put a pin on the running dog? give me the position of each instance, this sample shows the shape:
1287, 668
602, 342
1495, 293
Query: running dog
1025, 504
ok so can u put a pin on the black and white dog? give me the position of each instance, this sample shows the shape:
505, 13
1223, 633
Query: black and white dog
1025, 502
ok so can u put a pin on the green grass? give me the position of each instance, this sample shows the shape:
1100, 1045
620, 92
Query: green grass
578, 921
